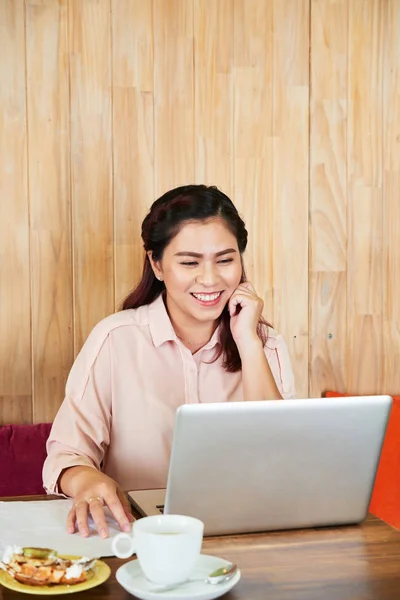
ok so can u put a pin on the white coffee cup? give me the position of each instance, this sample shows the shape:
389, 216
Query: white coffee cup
167, 546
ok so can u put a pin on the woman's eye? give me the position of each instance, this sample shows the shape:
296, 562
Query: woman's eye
190, 263
226, 260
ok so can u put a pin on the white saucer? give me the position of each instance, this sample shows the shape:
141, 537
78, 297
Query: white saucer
131, 577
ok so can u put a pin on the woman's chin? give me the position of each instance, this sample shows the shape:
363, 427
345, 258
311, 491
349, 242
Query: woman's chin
208, 314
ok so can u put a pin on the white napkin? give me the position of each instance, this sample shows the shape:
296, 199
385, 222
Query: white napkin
42, 524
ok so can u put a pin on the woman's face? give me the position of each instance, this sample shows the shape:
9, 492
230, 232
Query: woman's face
201, 268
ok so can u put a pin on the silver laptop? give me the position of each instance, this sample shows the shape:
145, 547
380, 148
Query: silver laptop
263, 466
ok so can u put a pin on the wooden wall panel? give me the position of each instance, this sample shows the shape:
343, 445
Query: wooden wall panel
213, 66
391, 197
364, 163
91, 162
49, 185
133, 135
173, 94
291, 175
253, 89
328, 201
15, 345
106, 104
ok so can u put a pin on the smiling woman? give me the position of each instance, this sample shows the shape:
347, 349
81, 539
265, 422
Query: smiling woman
191, 331
199, 284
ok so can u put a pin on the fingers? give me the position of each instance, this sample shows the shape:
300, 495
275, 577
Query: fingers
247, 285
125, 503
97, 513
78, 518
118, 511
244, 296
245, 289
71, 520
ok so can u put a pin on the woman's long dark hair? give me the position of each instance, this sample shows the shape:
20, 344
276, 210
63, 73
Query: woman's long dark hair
162, 223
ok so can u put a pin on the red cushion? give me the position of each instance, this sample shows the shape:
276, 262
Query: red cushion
22, 452
385, 501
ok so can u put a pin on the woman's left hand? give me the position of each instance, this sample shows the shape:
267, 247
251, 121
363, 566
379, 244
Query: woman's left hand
244, 323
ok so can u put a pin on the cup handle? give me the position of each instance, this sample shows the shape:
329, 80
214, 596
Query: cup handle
128, 539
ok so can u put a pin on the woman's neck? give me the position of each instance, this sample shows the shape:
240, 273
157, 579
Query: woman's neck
194, 337
193, 334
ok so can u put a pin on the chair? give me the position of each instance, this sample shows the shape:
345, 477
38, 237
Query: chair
385, 500
22, 454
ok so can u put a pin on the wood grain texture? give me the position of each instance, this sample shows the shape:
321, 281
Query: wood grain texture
15, 346
213, 66
253, 140
141, 96
133, 135
173, 94
364, 160
328, 202
328, 352
291, 180
50, 226
391, 202
91, 134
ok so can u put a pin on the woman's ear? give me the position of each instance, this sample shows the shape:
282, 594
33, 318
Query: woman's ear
155, 265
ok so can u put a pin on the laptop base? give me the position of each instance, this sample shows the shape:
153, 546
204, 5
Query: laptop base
148, 502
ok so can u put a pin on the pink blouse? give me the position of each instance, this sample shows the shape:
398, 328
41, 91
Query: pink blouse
124, 389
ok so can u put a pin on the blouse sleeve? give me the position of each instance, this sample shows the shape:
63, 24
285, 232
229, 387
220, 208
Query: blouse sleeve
80, 433
278, 358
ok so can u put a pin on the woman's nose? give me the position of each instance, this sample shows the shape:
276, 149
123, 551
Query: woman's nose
207, 275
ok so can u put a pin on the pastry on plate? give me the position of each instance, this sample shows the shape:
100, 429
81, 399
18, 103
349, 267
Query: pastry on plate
42, 566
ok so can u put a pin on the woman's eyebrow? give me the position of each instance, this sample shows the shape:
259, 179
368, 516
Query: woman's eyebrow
197, 255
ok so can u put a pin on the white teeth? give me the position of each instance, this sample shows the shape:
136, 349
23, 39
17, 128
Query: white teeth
207, 297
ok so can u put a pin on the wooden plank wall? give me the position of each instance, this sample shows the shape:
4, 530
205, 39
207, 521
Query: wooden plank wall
290, 106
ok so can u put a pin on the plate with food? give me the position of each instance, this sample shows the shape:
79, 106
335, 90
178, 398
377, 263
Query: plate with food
43, 571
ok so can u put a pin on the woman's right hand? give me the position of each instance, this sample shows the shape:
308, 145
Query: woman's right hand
92, 491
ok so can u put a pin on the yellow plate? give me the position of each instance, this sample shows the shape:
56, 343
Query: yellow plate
98, 574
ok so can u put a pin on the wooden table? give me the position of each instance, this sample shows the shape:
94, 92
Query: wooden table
345, 563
